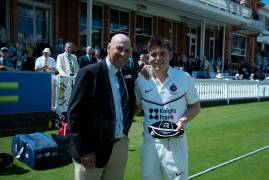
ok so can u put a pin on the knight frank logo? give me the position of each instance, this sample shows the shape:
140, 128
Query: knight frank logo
162, 114
154, 114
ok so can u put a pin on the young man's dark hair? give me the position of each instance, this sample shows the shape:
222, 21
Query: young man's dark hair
155, 42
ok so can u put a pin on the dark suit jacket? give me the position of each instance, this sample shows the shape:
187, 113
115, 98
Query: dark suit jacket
134, 64
91, 112
84, 60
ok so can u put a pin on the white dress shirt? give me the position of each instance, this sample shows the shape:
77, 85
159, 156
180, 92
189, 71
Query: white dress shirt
41, 61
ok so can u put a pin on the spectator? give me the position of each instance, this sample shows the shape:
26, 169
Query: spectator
259, 61
59, 47
207, 65
30, 60
237, 76
132, 62
67, 64
217, 65
4, 63
143, 59
202, 63
219, 76
264, 64
172, 57
45, 63
38, 48
88, 58
97, 55
20, 57
252, 77
185, 63
196, 63
11, 53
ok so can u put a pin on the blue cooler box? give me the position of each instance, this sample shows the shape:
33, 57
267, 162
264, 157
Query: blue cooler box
36, 150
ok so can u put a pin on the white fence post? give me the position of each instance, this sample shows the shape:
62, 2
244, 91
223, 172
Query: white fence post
257, 91
227, 90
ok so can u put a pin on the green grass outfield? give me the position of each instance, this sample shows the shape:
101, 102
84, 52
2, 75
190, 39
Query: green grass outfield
217, 135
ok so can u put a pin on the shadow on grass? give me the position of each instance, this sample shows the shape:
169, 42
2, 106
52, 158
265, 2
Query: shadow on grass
14, 170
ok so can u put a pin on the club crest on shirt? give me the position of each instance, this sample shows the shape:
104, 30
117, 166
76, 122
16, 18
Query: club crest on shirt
173, 88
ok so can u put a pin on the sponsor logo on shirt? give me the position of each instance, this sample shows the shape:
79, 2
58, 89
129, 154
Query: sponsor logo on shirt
162, 113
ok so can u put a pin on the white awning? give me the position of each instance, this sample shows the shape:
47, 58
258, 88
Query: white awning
263, 39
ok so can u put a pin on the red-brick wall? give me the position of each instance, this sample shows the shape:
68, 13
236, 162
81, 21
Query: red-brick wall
251, 49
227, 53
218, 42
67, 20
164, 27
182, 44
13, 21
174, 37
133, 29
207, 36
106, 25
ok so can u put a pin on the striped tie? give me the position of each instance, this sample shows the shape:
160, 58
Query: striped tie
70, 63
124, 99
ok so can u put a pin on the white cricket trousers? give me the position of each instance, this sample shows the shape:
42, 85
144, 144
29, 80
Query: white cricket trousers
167, 157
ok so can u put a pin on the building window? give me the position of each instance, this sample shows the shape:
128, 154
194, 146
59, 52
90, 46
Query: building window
34, 24
3, 23
192, 42
143, 30
97, 25
119, 22
83, 24
238, 50
42, 25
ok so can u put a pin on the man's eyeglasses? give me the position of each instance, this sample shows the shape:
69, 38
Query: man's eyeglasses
5, 51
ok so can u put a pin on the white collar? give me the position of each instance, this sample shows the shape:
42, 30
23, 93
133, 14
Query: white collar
112, 70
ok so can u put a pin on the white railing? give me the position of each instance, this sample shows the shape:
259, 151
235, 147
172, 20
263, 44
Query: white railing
212, 90
229, 6
208, 90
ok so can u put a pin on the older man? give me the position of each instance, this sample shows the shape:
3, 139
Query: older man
45, 63
88, 58
100, 114
67, 64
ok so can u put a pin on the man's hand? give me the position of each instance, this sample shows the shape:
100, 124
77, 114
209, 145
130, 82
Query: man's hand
88, 161
180, 125
146, 71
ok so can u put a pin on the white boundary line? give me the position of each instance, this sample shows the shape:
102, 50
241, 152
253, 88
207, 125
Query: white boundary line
227, 162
